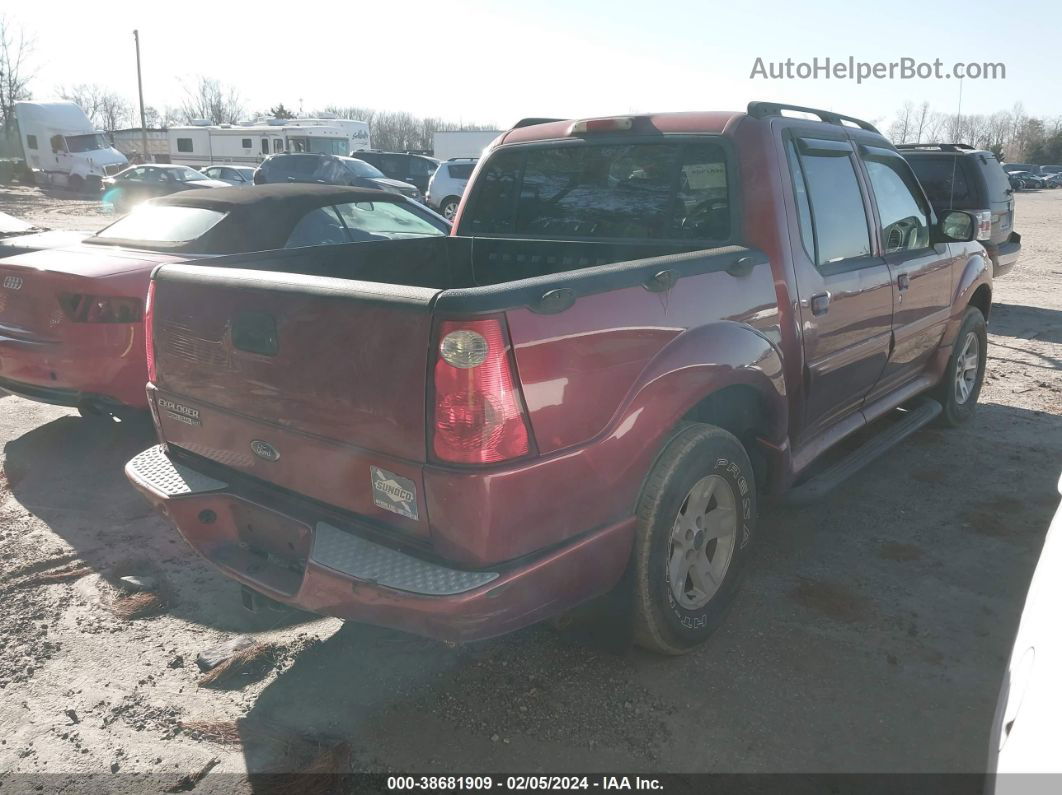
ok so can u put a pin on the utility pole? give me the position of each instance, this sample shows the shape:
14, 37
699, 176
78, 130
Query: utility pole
140, 89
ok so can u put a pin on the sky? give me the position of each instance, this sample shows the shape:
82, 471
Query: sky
495, 62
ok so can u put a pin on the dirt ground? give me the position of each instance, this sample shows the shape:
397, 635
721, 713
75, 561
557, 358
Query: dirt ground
871, 634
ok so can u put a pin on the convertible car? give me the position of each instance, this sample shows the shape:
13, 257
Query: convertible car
71, 319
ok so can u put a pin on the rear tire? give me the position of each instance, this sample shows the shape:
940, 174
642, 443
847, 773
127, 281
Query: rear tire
696, 521
448, 209
959, 389
76, 184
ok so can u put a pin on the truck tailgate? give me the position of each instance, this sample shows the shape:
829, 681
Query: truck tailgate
312, 383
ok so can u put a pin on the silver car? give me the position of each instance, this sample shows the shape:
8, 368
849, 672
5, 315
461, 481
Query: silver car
237, 176
447, 185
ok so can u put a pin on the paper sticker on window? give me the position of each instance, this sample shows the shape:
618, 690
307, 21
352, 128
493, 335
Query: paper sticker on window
394, 493
702, 176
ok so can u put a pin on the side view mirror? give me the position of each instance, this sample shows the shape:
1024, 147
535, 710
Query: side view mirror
956, 226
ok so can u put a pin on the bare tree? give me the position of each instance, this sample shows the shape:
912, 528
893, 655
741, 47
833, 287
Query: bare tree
115, 112
400, 131
900, 129
210, 99
105, 109
921, 119
16, 52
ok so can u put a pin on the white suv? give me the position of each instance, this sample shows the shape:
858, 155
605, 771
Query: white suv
448, 183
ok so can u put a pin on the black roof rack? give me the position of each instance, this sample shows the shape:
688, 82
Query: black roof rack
531, 120
760, 110
938, 146
452, 159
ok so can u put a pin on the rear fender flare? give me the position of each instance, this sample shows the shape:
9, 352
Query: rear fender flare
692, 367
977, 271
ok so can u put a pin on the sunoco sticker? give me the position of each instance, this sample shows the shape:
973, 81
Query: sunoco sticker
394, 493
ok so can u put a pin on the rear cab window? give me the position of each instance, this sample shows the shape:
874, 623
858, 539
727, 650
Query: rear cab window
669, 190
161, 225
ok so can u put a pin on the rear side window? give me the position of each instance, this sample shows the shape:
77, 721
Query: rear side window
945, 181
184, 144
996, 180
292, 166
31, 141
836, 203
605, 191
461, 170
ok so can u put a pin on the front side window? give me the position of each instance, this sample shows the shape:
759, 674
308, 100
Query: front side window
184, 144
420, 167
319, 227
837, 211
605, 191
278, 145
904, 221
359, 168
162, 225
187, 175
386, 219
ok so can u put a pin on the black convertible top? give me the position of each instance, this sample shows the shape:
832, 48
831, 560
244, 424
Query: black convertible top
258, 219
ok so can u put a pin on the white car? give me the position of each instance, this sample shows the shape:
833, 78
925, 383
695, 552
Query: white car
1028, 723
447, 185
237, 176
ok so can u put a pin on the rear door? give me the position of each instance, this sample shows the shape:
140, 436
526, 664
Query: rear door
845, 287
921, 273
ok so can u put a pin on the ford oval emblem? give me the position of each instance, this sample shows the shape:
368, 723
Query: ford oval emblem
264, 450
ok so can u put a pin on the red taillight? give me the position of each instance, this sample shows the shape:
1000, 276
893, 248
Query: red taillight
479, 415
984, 224
149, 332
614, 124
101, 309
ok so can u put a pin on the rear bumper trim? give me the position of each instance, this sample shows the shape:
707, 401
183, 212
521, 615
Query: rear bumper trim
363, 560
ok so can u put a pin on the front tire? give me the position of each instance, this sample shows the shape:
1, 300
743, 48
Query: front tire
696, 522
76, 184
961, 385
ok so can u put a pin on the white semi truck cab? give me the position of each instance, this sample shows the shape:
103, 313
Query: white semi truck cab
63, 148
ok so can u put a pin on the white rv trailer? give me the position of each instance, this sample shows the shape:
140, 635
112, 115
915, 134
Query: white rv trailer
249, 144
62, 147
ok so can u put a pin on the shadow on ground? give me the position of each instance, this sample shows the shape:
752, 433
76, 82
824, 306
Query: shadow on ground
70, 473
1027, 322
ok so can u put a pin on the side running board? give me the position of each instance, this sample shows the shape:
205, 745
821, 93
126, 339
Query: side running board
919, 414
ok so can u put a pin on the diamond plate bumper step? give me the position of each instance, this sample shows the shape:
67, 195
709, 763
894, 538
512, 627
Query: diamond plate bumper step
154, 470
333, 548
364, 560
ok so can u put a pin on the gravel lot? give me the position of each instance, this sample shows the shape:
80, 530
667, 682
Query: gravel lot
870, 636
